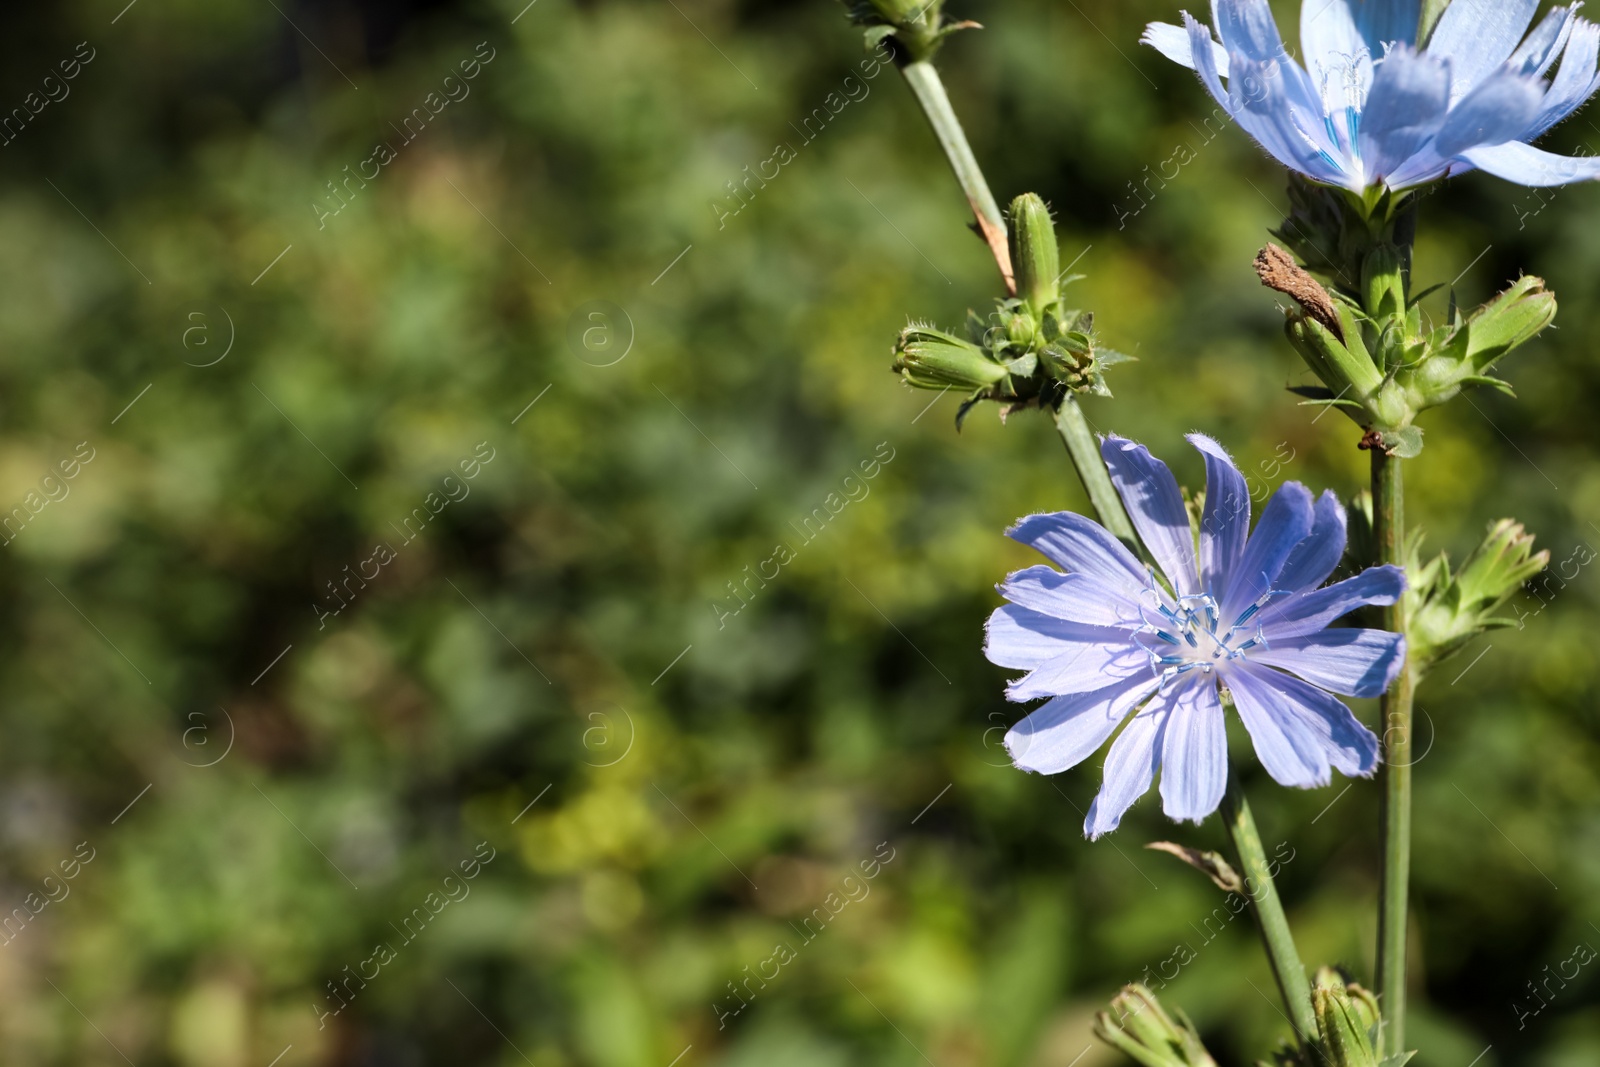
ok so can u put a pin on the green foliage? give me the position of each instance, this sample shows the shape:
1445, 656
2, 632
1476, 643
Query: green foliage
590, 623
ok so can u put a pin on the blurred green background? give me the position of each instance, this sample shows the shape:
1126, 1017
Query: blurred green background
268, 791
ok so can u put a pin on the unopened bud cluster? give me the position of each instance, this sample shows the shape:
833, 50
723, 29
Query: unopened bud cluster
1366, 339
1033, 349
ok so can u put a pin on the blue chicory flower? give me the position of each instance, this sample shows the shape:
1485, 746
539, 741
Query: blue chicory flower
1104, 639
1374, 109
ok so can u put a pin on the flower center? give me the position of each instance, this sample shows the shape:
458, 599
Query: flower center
1190, 635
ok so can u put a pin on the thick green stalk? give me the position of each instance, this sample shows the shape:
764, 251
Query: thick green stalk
1075, 433
927, 87
1273, 923
1388, 517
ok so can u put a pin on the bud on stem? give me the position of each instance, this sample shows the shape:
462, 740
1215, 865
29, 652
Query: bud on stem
1137, 1026
1034, 253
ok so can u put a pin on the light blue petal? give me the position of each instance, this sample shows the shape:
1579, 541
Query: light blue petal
1478, 36
1174, 43
1538, 53
1203, 51
1386, 22
1154, 504
1424, 167
1576, 80
1349, 746
1336, 54
1075, 543
1247, 27
1357, 663
1259, 96
1225, 524
1285, 744
1526, 165
1194, 755
1274, 101
1075, 597
1130, 768
1499, 110
1286, 522
1083, 668
1067, 730
1405, 110
1024, 639
1316, 557
1286, 92
1305, 613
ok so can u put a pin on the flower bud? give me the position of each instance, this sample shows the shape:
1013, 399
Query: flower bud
931, 359
1463, 353
1346, 1036
1137, 1026
1034, 253
1447, 611
1513, 318
1383, 284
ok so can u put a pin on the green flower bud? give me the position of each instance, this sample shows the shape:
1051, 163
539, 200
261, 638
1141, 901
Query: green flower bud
1021, 330
931, 359
1463, 353
1346, 1037
1137, 1026
1034, 253
1383, 284
1448, 610
1511, 319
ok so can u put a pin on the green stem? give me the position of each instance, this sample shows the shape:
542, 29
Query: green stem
927, 87
1074, 431
1388, 517
1274, 925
